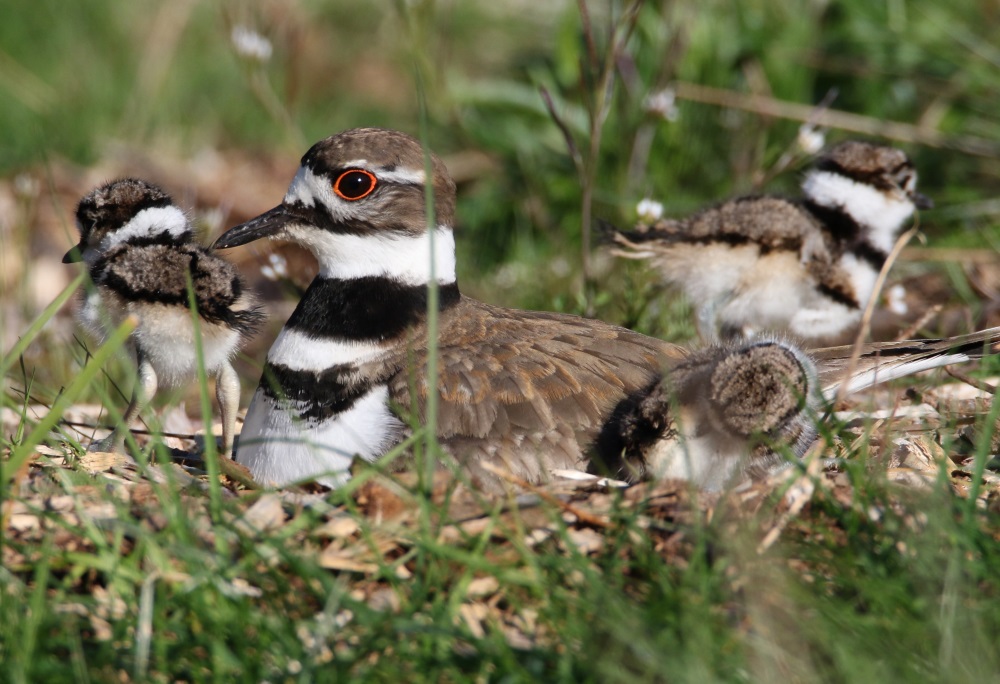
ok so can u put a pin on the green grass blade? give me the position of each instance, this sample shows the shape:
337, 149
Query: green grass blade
33, 620
430, 418
24, 450
210, 454
31, 333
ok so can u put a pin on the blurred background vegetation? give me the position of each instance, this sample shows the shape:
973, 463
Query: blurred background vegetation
217, 100
168, 80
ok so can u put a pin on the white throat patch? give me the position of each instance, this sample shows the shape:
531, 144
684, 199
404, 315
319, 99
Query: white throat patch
404, 258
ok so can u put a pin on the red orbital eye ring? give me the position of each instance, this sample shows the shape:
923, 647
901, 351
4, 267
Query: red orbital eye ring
355, 184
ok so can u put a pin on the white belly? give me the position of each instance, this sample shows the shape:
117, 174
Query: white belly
280, 449
165, 334
710, 461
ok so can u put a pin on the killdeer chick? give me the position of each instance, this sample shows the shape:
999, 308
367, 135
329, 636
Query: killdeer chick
528, 392
139, 248
725, 409
745, 408
805, 267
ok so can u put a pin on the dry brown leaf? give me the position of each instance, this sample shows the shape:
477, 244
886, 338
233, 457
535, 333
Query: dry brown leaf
482, 586
267, 513
586, 540
338, 527
474, 615
100, 461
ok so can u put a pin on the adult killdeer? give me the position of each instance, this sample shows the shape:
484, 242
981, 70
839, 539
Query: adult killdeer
805, 266
139, 248
527, 391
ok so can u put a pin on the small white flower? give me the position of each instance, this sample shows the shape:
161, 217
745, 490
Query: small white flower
26, 186
510, 275
250, 44
896, 300
810, 139
649, 210
279, 265
560, 267
663, 103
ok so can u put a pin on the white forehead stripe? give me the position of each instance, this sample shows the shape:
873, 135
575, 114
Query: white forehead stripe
148, 222
397, 175
300, 190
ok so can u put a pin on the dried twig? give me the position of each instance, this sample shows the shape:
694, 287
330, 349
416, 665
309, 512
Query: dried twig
978, 384
574, 152
231, 469
762, 177
959, 254
797, 496
911, 330
866, 318
583, 516
134, 431
833, 118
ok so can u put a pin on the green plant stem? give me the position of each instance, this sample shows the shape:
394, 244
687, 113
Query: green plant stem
598, 107
210, 454
431, 413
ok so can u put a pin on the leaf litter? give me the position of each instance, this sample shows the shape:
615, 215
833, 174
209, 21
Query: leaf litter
75, 503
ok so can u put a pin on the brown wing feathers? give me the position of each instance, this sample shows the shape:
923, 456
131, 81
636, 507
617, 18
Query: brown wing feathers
543, 376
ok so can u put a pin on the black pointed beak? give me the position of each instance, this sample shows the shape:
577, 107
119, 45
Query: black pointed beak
74, 255
921, 201
268, 224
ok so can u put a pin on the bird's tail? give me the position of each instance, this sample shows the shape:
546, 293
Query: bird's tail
884, 361
632, 244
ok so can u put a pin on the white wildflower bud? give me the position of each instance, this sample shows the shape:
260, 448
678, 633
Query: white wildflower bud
896, 300
26, 186
810, 139
560, 267
649, 210
250, 44
279, 265
663, 104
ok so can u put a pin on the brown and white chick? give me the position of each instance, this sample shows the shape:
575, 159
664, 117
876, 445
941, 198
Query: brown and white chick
140, 250
748, 408
803, 267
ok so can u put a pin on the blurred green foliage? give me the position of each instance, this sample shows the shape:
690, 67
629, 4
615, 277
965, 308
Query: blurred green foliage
74, 76
874, 592
167, 78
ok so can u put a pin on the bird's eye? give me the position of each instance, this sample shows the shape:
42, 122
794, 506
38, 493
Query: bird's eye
354, 184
